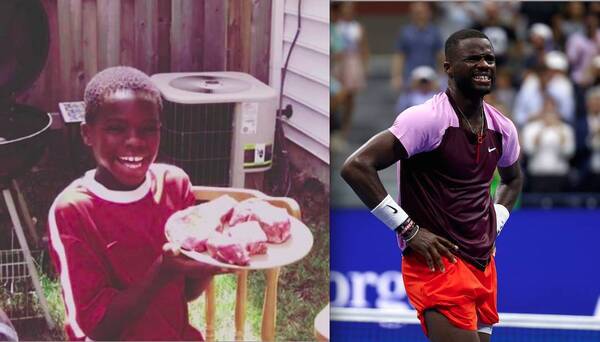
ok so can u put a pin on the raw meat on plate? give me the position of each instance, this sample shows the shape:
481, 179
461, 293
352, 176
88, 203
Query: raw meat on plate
220, 208
192, 234
227, 249
250, 235
192, 227
229, 231
274, 221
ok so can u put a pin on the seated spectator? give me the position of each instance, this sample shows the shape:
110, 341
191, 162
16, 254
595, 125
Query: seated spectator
592, 75
456, 15
541, 41
550, 80
538, 11
504, 92
423, 87
501, 34
548, 143
569, 20
593, 120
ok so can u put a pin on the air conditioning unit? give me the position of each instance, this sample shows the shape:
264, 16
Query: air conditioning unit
217, 125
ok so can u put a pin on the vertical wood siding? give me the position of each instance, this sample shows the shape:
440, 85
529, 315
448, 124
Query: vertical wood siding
87, 36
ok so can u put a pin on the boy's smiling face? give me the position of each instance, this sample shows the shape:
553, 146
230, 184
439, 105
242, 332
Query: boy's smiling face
124, 137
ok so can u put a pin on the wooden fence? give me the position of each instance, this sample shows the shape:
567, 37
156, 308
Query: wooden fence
154, 36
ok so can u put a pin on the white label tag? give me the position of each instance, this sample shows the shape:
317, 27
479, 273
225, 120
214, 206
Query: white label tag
259, 153
249, 117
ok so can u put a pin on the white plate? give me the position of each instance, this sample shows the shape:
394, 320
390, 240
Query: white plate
294, 249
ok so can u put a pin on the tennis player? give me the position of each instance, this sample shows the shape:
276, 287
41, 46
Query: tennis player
445, 220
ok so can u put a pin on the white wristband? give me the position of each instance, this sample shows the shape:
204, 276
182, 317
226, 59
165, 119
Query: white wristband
502, 215
390, 213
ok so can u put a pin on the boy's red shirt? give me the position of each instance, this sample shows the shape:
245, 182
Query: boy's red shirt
102, 241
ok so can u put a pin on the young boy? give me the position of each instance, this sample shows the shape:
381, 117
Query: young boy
120, 279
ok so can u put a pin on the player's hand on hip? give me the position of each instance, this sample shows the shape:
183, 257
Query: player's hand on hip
432, 248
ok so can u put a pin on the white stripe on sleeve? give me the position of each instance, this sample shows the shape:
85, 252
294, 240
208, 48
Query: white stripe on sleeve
65, 281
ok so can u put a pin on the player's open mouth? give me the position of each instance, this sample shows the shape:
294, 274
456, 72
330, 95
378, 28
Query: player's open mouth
482, 79
131, 162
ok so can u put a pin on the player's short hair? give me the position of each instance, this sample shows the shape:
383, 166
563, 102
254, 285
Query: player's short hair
456, 37
113, 79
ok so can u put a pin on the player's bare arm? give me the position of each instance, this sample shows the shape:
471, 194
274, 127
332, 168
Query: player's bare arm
511, 182
360, 172
360, 169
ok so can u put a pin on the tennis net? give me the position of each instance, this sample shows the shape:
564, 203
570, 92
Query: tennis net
366, 324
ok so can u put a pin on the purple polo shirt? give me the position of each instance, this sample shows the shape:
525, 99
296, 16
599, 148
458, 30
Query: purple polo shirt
442, 185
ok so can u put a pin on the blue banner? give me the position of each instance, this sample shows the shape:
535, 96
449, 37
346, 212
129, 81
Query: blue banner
547, 262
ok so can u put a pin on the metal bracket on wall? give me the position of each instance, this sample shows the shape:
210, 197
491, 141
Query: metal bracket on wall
287, 111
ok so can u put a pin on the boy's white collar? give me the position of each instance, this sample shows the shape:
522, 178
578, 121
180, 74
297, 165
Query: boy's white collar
114, 195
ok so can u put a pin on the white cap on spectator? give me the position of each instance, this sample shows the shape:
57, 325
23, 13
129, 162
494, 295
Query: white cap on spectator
556, 60
541, 30
423, 72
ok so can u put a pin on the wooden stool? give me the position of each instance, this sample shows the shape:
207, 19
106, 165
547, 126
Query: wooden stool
322, 325
269, 312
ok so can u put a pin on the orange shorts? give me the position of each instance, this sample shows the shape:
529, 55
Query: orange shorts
463, 294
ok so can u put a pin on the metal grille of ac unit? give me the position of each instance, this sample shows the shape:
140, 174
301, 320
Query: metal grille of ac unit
198, 138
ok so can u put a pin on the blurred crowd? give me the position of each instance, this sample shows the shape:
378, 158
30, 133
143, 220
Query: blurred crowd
547, 79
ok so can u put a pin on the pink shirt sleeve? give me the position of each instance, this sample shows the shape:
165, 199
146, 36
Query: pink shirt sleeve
510, 138
420, 128
510, 145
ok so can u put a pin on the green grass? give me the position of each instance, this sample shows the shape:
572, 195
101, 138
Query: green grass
51, 288
225, 312
302, 293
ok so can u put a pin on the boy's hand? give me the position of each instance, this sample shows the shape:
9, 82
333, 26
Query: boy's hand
173, 264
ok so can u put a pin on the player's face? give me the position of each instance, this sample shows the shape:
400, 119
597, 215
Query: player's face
474, 66
124, 138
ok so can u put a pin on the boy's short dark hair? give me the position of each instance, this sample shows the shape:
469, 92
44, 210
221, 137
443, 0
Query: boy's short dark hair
456, 37
112, 79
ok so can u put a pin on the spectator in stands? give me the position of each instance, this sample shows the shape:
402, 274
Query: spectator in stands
569, 20
456, 15
335, 87
582, 47
539, 12
594, 8
548, 143
504, 93
592, 75
541, 41
501, 34
423, 86
351, 62
551, 79
419, 43
593, 121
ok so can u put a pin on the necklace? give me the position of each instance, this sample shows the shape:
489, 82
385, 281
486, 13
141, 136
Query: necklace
478, 134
